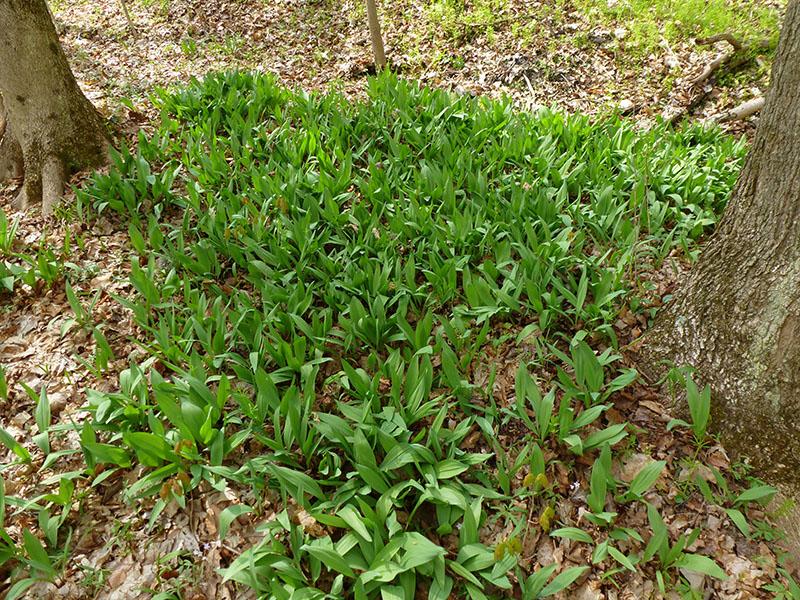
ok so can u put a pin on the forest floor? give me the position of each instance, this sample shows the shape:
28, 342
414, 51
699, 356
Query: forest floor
639, 57
580, 56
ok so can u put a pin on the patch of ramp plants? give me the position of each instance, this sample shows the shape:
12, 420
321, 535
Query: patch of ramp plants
316, 281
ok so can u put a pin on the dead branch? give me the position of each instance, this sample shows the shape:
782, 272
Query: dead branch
742, 111
732, 60
696, 101
715, 64
720, 37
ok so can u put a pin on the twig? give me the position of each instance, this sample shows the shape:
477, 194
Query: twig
742, 111
127, 14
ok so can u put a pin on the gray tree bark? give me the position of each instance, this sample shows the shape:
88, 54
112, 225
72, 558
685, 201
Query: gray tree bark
737, 318
47, 126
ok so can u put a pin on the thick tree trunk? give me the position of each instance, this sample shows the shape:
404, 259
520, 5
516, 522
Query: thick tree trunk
47, 126
737, 318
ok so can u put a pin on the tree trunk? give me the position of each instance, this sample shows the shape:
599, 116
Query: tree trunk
47, 126
737, 318
375, 35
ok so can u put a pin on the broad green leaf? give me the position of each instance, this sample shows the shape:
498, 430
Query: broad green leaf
330, 558
227, 516
759, 493
37, 554
355, 521
449, 468
295, 482
573, 533
739, 520
621, 558
9, 442
700, 564
646, 477
562, 581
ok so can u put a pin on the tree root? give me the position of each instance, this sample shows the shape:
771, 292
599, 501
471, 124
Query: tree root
43, 185
10, 152
53, 178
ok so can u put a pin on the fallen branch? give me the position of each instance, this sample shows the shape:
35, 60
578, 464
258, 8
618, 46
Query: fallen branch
693, 104
710, 68
720, 37
742, 111
733, 60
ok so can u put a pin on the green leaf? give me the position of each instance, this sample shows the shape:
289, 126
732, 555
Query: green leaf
646, 477
659, 539
227, 516
449, 468
3, 384
37, 554
700, 564
106, 453
19, 588
610, 435
537, 580
355, 521
151, 450
330, 558
392, 592
573, 533
9, 442
465, 573
562, 581
699, 407
419, 550
43, 419
739, 520
759, 493
296, 482
621, 558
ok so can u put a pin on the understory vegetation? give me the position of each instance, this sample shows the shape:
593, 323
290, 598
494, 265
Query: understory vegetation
646, 23
322, 290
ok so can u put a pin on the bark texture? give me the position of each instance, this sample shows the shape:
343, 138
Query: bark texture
10, 152
737, 318
47, 126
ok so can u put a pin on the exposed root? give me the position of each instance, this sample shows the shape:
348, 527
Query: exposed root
10, 152
27, 195
53, 178
732, 60
43, 179
43, 185
10, 157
